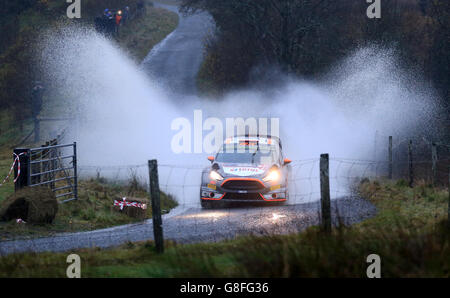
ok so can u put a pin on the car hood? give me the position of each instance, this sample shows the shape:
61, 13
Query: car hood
241, 169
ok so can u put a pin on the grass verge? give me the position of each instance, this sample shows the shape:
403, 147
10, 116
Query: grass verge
93, 210
143, 33
409, 233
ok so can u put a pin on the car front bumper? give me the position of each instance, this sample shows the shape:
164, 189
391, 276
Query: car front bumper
266, 192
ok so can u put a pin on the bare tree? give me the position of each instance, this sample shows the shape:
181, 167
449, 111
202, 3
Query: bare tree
276, 26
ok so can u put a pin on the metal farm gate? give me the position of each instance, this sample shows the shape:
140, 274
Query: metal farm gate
52, 165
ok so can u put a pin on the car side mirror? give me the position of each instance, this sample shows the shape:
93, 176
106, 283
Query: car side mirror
211, 158
287, 161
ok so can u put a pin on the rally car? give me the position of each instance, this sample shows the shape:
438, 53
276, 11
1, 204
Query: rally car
246, 169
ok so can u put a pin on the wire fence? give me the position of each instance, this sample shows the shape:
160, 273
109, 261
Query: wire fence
189, 222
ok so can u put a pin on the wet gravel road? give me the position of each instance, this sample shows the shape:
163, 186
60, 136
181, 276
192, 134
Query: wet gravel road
175, 61
190, 225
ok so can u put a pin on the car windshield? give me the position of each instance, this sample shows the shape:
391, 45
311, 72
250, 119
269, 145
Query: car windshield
253, 154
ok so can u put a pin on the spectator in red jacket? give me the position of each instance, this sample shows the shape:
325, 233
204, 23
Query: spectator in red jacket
118, 20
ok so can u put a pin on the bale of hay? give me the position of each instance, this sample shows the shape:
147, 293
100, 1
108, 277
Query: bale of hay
131, 211
31, 204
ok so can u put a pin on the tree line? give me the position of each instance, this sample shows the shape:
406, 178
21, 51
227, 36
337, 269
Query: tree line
305, 37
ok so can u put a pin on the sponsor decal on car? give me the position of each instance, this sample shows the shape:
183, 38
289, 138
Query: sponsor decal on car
244, 171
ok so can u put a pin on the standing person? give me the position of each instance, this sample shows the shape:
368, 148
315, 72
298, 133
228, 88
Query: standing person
102, 22
110, 22
125, 15
118, 21
99, 24
140, 7
105, 22
37, 93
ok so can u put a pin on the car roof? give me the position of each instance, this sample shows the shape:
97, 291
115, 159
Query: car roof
260, 136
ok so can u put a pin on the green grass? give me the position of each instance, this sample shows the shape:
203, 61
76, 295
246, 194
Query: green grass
417, 208
204, 81
5, 164
10, 133
10, 136
409, 233
139, 37
93, 210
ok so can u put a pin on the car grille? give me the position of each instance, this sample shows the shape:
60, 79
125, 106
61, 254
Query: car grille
242, 185
243, 197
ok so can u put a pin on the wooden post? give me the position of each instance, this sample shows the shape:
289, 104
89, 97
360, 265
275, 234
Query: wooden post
24, 158
325, 192
45, 167
434, 158
390, 158
410, 164
375, 157
53, 153
156, 207
75, 171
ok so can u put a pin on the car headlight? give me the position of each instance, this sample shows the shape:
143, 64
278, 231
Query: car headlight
215, 176
273, 176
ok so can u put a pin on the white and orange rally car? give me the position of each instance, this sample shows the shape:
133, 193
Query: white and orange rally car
246, 169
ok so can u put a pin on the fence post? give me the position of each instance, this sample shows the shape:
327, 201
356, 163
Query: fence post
37, 130
390, 158
29, 171
24, 159
433, 163
54, 163
325, 192
156, 207
410, 164
44, 155
75, 171
42, 166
